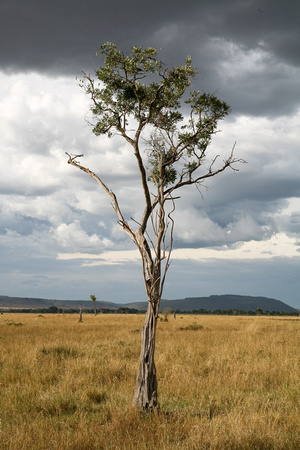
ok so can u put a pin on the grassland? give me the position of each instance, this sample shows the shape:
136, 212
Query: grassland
224, 383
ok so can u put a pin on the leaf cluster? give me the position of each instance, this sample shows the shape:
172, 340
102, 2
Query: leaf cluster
121, 92
140, 87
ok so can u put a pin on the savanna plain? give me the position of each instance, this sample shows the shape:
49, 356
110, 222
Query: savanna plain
225, 382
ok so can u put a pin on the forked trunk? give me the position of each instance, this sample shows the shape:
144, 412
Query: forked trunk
145, 396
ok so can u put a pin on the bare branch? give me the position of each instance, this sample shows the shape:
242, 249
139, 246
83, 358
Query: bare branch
227, 163
115, 205
168, 261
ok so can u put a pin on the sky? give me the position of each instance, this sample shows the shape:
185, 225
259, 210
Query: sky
59, 237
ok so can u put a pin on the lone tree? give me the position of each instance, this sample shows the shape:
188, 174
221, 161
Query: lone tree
93, 298
138, 97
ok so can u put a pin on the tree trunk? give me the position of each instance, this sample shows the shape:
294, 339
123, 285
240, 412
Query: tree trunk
145, 396
80, 315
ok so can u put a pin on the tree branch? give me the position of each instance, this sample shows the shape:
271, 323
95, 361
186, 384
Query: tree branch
73, 161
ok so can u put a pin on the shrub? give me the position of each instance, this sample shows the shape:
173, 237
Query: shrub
193, 326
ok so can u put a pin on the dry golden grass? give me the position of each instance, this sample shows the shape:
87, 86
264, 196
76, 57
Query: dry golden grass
224, 383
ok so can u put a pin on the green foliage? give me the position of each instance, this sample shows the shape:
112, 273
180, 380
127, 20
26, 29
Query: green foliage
139, 87
121, 93
93, 298
160, 160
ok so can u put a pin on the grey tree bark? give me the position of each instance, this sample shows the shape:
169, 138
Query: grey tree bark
145, 395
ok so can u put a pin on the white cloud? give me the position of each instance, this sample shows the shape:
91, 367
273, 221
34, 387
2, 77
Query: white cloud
105, 258
245, 228
49, 208
62, 211
73, 237
193, 226
279, 245
18, 248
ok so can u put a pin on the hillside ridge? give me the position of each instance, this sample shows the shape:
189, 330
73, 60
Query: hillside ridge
223, 302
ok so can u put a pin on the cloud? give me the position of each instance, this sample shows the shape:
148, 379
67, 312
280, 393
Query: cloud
72, 236
40, 185
105, 258
245, 51
253, 80
279, 245
242, 225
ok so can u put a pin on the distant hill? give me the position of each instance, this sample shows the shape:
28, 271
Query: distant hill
223, 303
39, 303
212, 303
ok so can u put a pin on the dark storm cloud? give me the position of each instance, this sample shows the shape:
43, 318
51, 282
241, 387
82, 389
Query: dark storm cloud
274, 24
60, 34
61, 37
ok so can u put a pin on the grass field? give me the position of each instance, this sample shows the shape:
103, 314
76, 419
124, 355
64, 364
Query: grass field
224, 383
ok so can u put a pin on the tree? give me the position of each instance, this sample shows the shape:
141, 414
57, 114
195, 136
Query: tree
166, 312
93, 298
138, 98
80, 315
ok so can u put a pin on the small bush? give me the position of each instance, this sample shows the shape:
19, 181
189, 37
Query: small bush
96, 396
166, 312
60, 352
57, 406
193, 326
